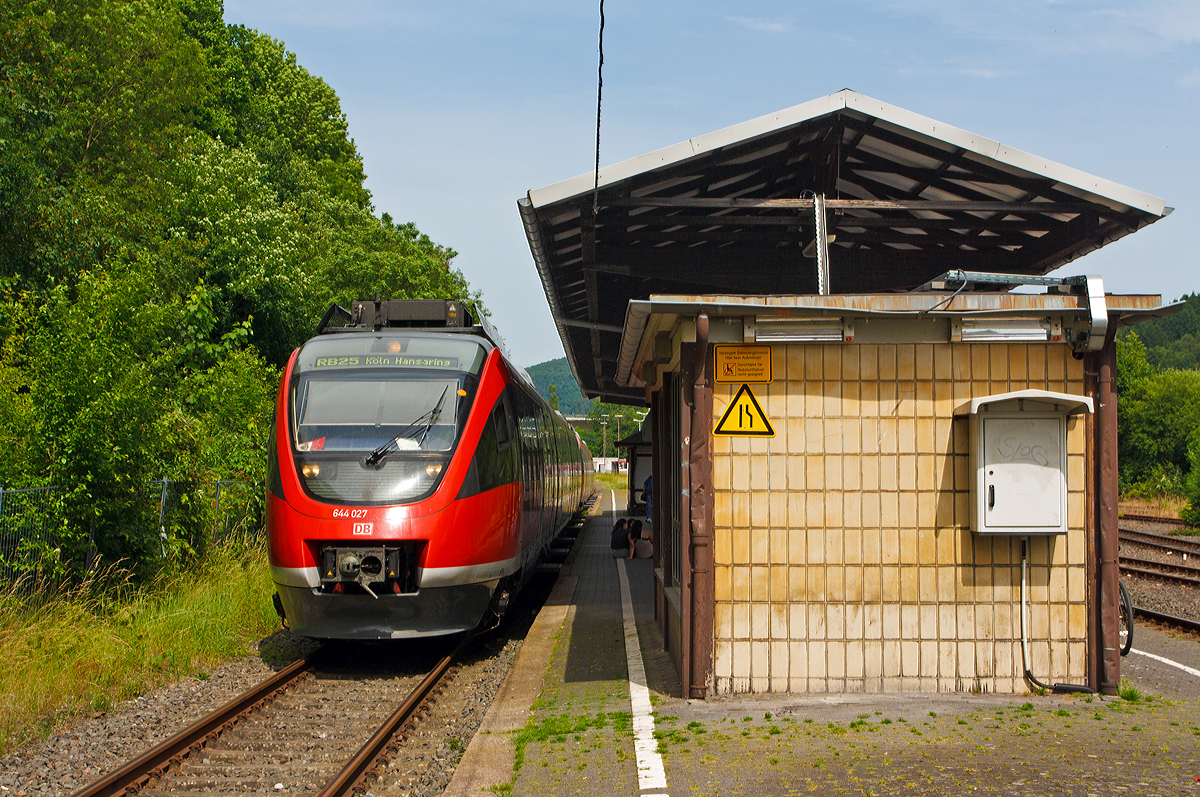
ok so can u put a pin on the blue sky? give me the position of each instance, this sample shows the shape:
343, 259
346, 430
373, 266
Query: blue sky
459, 108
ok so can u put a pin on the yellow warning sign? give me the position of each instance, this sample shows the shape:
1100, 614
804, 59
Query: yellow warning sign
742, 364
744, 417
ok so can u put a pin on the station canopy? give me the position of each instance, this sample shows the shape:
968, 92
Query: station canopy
902, 199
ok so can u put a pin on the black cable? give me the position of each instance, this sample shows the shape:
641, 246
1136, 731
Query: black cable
599, 94
945, 302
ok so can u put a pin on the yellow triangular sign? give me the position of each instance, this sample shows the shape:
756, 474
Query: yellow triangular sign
744, 417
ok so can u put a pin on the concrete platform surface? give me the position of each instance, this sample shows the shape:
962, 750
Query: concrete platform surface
579, 736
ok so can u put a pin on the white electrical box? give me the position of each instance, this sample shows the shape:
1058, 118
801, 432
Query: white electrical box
1019, 461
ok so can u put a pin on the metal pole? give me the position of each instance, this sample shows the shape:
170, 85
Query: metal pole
217, 510
822, 242
162, 509
1106, 489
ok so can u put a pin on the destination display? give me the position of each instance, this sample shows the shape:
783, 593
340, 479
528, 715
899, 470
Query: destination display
386, 361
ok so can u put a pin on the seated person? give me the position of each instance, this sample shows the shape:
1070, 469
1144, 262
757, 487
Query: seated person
622, 540
642, 547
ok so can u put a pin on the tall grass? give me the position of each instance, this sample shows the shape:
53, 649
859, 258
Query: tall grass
86, 648
612, 481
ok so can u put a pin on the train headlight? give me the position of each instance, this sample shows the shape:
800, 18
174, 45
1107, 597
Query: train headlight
310, 470
433, 469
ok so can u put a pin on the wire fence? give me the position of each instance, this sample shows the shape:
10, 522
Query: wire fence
38, 536
31, 525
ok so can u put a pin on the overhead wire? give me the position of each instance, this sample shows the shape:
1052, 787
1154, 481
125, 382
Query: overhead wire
599, 94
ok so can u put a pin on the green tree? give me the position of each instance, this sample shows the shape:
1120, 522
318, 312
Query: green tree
553, 397
179, 203
1156, 421
1132, 365
609, 423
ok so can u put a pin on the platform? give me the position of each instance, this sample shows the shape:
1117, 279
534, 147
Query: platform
585, 713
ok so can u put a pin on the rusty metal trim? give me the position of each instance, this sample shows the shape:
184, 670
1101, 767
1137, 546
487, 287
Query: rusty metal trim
700, 549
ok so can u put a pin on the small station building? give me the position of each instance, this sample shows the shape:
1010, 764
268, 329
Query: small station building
883, 439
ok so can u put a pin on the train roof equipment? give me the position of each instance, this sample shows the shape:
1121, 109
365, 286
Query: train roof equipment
443, 315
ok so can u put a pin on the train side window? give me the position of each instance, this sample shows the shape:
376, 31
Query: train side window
500, 419
492, 465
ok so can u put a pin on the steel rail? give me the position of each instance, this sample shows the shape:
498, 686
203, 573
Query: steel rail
1168, 521
1178, 568
1158, 617
358, 767
1175, 544
1178, 574
193, 737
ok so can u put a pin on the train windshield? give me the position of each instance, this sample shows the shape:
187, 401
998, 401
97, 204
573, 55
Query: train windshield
372, 426
382, 414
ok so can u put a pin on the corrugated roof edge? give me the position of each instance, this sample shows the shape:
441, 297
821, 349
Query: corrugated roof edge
847, 99
537, 248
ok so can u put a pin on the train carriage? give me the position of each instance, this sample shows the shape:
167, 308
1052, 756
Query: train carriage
415, 476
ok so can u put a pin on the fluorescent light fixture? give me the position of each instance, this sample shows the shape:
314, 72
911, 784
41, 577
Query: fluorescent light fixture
1008, 329
798, 330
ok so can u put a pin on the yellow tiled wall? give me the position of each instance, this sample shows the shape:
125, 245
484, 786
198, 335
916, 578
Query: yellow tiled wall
843, 551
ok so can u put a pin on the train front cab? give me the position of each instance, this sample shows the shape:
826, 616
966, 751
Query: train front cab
353, 554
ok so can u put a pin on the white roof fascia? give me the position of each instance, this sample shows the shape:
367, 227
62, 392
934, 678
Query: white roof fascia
680, 152
846, 99
1072, 404
639, 311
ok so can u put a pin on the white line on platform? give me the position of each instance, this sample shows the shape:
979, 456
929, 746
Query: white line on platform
651, 774
1184, 667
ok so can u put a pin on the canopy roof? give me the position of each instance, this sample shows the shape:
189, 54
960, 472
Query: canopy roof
735, 212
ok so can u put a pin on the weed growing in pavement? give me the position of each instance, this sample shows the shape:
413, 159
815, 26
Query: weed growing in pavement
1129, 692
103, 641
556, 729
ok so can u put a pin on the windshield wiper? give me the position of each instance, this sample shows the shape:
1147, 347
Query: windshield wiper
429, 417
433, 416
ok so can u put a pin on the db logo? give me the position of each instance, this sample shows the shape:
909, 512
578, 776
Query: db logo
363, 528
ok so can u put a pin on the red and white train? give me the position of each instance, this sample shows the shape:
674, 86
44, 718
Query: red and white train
414, 475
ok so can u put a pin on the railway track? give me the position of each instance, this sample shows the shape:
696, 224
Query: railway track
1164, 571
1158, 618
317, 728
1166, 521
1181, 545
1180, 572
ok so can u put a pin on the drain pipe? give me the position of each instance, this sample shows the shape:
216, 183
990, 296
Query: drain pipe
1061, 689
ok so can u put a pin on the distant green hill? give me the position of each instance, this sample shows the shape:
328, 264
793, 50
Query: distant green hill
1174, 341
558, 373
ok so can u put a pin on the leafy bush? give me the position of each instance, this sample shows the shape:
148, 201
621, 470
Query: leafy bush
179, 204
1191, 488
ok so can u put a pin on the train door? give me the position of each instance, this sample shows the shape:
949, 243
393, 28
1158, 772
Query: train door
522, 407
543, 510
